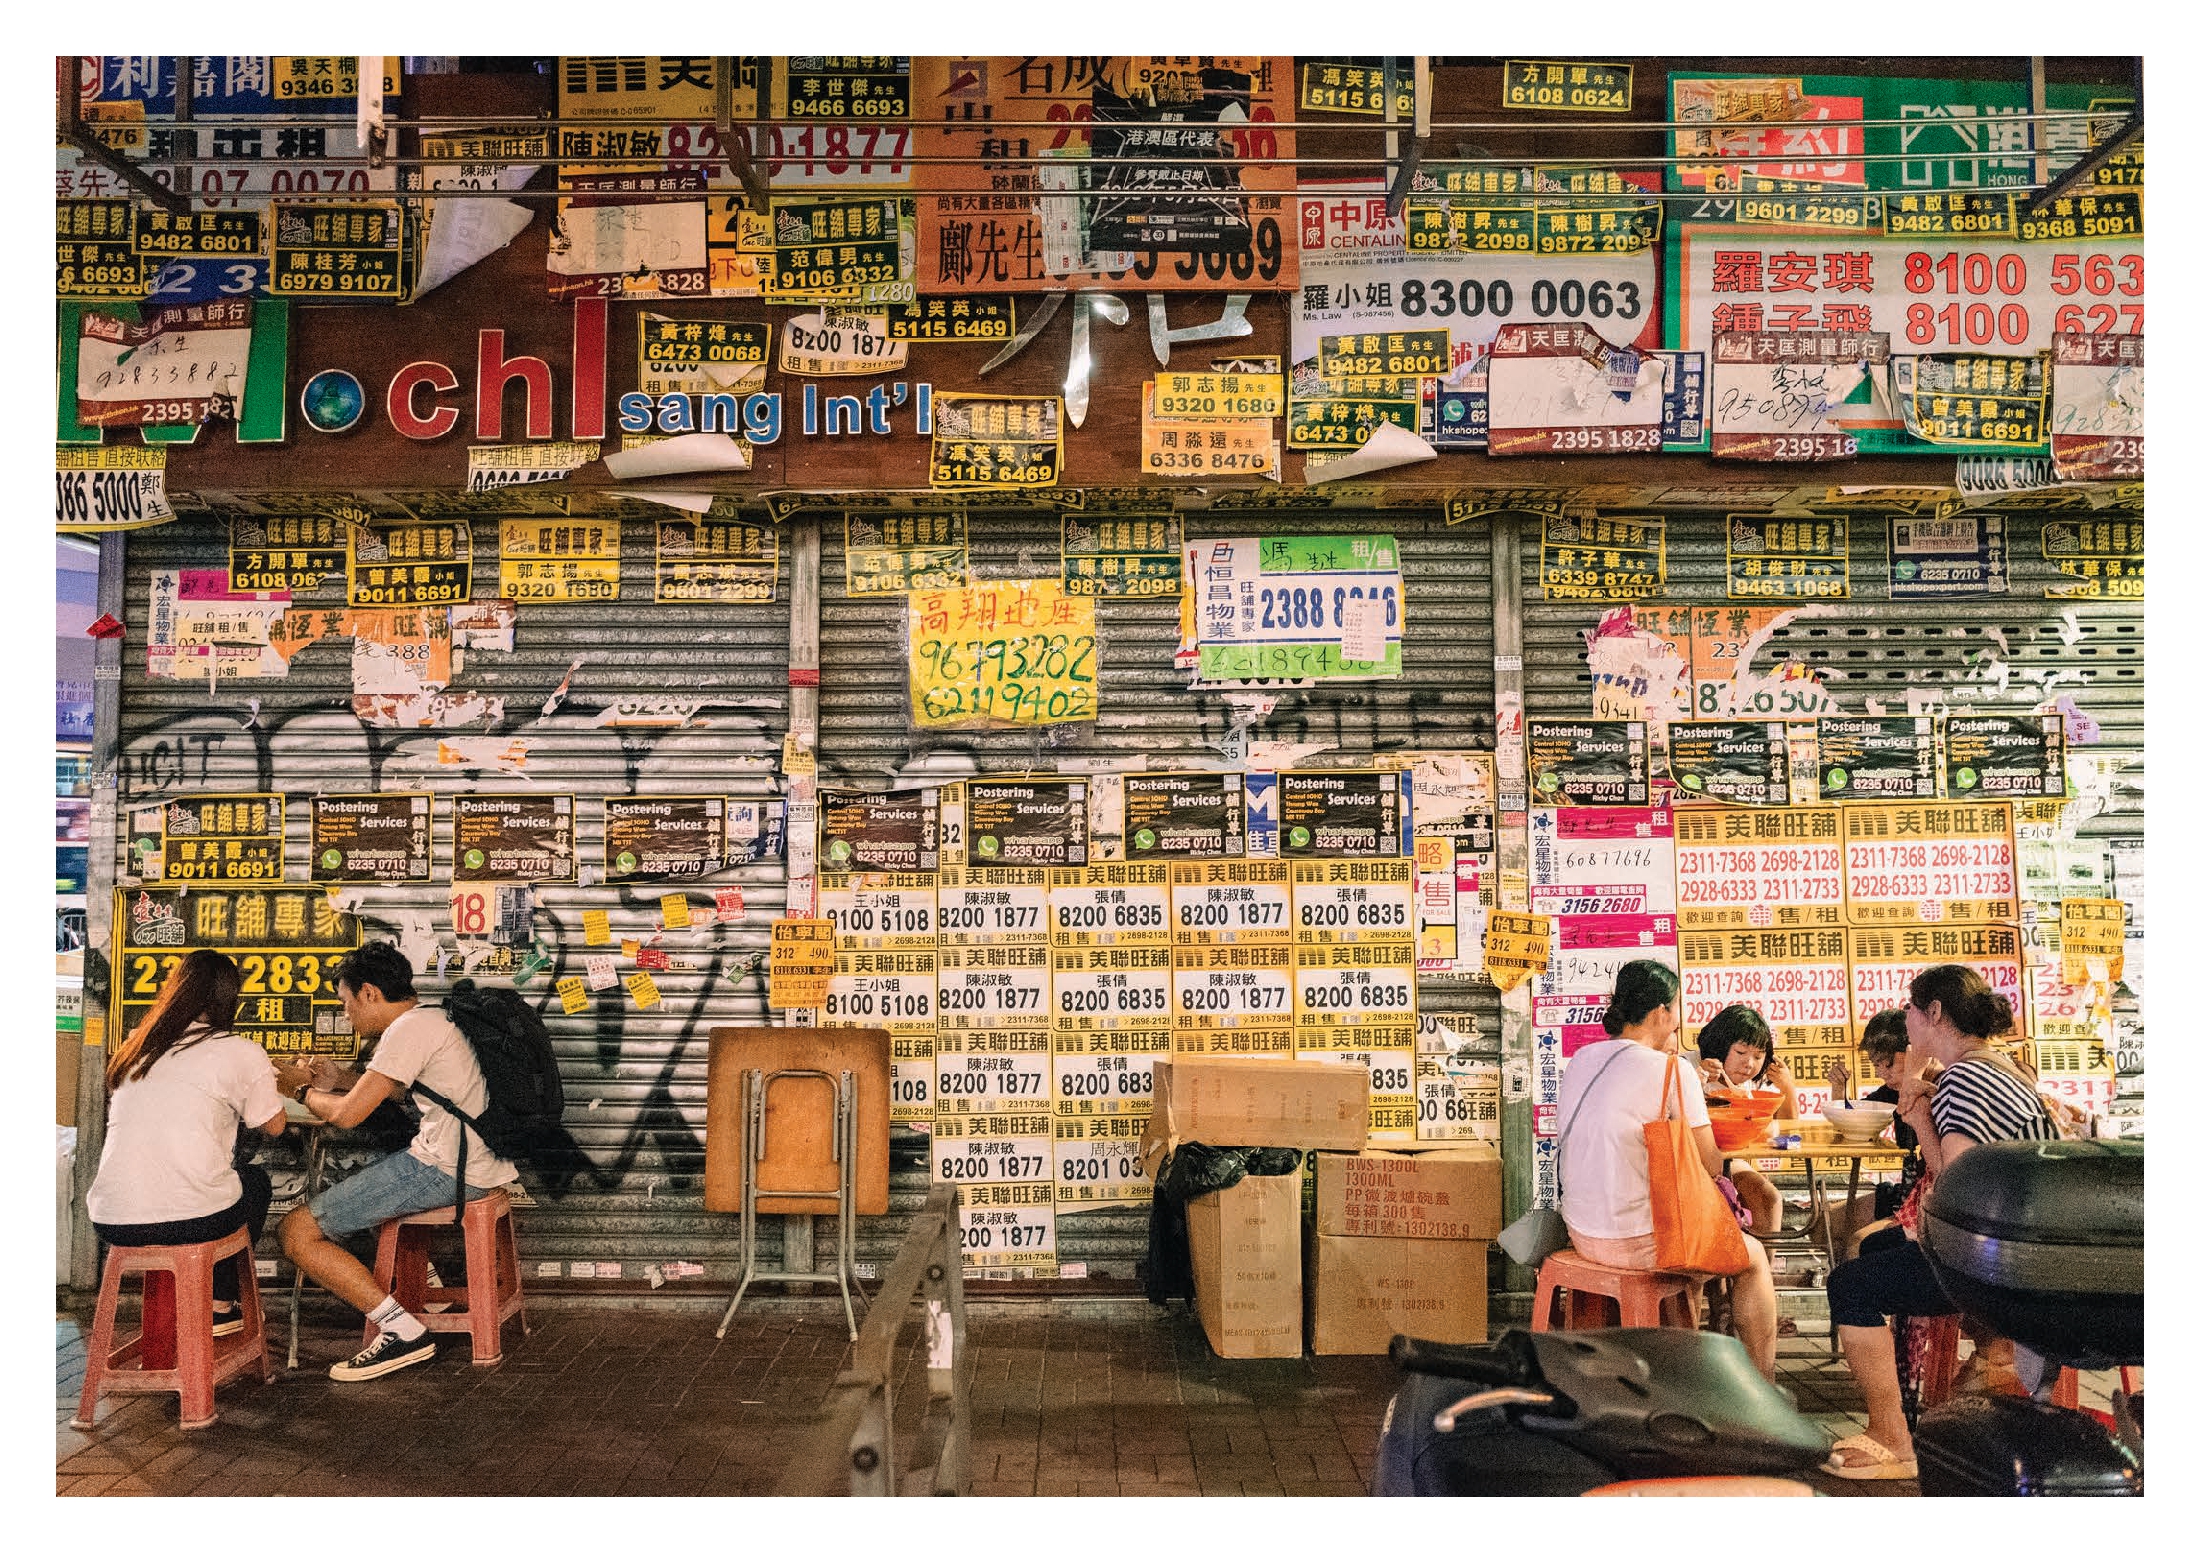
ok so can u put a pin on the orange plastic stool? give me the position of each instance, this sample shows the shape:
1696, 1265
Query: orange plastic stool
491, 1295
1574, 1292
174, 1349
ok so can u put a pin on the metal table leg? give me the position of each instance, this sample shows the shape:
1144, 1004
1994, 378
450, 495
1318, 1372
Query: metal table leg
314, 1163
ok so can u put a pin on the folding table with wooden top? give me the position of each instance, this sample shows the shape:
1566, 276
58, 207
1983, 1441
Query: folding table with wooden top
796, 1123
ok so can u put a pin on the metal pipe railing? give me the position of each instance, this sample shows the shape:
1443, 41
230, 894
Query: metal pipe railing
850, 1450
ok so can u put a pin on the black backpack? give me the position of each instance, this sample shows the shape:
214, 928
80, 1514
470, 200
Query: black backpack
513, 1047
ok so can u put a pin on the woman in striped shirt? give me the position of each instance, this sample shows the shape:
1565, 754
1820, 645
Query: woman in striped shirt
1956, 1091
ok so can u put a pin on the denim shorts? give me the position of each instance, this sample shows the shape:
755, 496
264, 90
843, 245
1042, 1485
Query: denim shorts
394, 1186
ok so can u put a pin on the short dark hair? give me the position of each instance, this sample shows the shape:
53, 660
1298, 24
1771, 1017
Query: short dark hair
1639, 987
378, 965
1885, 1035
1736, 1025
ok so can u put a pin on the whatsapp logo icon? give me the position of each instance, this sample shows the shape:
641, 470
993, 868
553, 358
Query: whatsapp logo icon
990, 846
1143, 839
1300, 836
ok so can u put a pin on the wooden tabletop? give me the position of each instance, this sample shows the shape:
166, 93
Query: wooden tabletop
1820, 1149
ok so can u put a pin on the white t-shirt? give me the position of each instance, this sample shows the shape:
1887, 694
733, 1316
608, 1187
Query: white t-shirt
1605, 1181
422, 1045
171, 1131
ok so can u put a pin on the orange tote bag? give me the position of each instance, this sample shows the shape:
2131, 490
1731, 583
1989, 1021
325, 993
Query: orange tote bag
1692, 1224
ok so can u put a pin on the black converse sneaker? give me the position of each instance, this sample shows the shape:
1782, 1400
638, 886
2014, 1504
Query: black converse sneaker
228, 1320
386, 1354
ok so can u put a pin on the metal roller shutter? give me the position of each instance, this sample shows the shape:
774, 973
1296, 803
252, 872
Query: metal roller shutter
1948, 654
1443, 702
1869, 646
634, 1079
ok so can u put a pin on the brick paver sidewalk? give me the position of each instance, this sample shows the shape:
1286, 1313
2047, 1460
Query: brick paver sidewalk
1070, 1397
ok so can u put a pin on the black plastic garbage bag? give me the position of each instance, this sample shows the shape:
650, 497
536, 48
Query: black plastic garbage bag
1188, 1172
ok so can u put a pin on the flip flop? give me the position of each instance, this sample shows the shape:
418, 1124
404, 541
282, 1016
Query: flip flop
1880, 1461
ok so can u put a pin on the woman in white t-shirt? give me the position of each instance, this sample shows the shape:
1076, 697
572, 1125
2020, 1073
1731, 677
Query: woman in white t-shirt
179, 1088
1609, 1091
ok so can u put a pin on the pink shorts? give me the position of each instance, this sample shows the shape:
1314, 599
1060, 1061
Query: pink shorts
1627, 1252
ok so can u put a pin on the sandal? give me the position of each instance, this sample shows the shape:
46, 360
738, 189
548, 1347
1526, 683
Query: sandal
1879, 1461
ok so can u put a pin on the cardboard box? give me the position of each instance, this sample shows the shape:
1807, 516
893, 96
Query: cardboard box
1450, 1194
1273, 1101
1363, 1289
68, 1054
1246, 1267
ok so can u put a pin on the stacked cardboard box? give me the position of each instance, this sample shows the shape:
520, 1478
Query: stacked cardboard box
1399, 1244
1245, 1241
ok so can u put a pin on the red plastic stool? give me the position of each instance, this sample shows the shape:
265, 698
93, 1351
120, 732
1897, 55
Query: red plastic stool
174, 1349
1574, 1292
491, 1295
2067, 1391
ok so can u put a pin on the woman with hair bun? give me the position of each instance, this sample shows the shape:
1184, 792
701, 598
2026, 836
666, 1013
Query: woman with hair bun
1609, 1091
1956, 1091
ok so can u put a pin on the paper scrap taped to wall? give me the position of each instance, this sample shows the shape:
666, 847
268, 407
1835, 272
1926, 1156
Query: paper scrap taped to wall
2091, 936
801, 966
1516, 945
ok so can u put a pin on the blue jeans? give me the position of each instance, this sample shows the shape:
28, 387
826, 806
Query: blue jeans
391, 1188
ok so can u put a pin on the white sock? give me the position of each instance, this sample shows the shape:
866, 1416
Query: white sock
394, 1318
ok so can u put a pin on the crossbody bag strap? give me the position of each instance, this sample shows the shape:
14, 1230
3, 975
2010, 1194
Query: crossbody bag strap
466, 1127
1569, 1126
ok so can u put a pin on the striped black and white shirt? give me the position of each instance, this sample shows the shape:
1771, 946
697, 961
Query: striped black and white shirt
1987, 1103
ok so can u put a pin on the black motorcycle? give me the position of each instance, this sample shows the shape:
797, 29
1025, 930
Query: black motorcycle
2042, 1240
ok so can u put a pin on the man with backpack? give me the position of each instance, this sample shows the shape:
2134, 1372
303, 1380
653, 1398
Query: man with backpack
421, 1050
